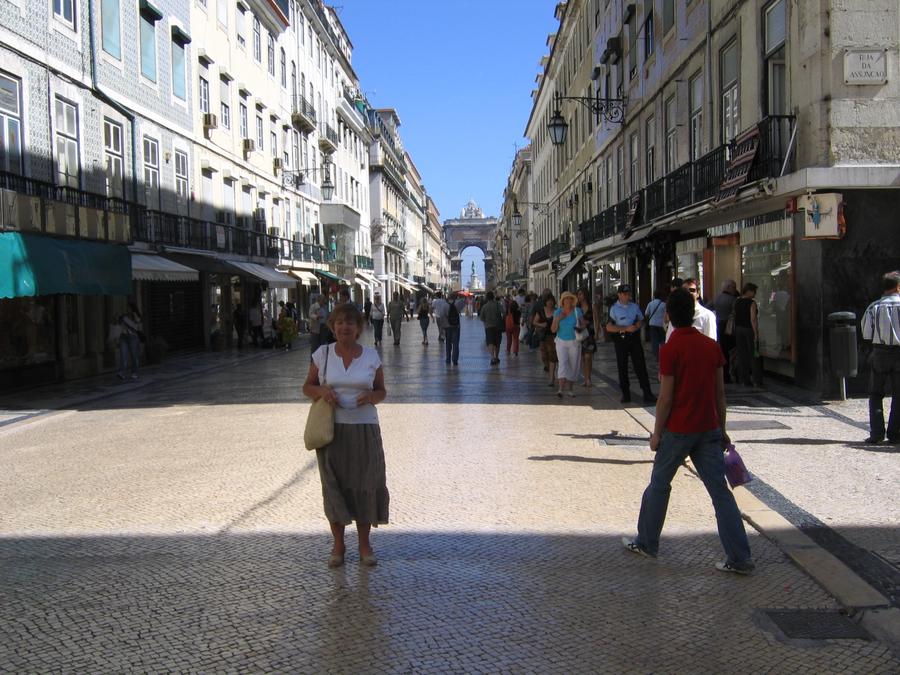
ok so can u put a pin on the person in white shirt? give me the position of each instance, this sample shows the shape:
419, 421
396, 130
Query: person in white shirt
440, 308
350, 378
881, 325
520, 298
704, 319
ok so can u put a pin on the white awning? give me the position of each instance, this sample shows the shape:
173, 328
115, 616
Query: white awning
307, 278
362, 281
368, 279
571, 266
157, 268
271, 276
405, 284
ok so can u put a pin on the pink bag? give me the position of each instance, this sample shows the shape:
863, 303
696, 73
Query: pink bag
735, 471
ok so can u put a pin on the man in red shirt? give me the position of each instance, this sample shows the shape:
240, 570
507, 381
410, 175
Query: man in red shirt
690, 421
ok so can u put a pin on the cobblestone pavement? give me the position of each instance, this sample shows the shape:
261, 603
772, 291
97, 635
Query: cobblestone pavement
812, 465
178, 527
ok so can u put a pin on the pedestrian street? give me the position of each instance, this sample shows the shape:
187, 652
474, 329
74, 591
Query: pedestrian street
178, 527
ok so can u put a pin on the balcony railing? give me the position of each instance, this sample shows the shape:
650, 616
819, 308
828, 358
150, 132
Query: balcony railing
709, 171
303, 114
328, 139
775, 137
364, 263
166, 229
699, 181
27, 204
655, 199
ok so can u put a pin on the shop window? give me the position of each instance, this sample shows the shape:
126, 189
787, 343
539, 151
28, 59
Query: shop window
28, 336
768, 265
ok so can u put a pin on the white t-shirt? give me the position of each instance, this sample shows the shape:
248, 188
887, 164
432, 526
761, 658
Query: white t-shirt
704, 321
349, 383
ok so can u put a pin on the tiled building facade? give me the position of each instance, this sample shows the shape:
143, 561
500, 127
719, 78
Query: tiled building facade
207, 154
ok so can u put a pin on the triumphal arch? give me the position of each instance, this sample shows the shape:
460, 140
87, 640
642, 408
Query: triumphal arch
470, 229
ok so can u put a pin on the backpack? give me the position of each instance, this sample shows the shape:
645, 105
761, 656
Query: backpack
453, 315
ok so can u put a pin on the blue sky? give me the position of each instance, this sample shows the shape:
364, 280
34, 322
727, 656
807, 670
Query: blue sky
460, 74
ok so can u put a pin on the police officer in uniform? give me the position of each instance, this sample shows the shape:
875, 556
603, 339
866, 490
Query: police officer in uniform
624, 327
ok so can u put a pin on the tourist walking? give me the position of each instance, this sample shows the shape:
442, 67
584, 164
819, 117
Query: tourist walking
424, 316
881, 325
451, 332
704, 319
492, 317
625, 319
746, 333
568, 321
589, 343
350, 377
543, 331
511, 323
396, 313
132, 330
439, 309
378, 312
690, 422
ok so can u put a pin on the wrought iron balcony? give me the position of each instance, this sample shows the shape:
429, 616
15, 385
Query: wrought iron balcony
775, 133
364, 263
31, 205
328, 140
655, 200
708, 173
303, 114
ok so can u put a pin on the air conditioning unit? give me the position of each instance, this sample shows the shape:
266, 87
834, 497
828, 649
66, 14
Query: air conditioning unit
278, 163
274, 231
210, 121
249, 145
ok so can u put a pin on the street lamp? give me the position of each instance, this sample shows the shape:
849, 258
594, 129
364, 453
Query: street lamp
517, 216
612, 109
297, 178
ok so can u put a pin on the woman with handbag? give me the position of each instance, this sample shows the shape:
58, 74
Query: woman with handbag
589, 344
568, 324
656, 317
350, 378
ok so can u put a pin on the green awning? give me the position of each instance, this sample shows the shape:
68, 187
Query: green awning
333, 277
34, 264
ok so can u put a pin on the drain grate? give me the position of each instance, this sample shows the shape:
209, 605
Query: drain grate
816, 624
642, 442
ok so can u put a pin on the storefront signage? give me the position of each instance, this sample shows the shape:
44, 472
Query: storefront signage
865, 66
822, 215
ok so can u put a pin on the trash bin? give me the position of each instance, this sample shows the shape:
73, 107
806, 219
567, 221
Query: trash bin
842, 336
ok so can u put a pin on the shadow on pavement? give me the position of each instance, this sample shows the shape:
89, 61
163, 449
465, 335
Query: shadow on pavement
437, 601
589, 460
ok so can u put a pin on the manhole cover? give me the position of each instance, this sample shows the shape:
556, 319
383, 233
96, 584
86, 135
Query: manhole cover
816, 624
755, 425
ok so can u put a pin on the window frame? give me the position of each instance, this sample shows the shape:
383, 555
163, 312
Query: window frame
111, 153
72, 137
150, 168
146, 18
8, 116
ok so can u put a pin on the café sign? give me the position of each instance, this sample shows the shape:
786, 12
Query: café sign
865, 66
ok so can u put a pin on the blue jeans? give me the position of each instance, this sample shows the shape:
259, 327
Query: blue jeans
705, 451
451, 337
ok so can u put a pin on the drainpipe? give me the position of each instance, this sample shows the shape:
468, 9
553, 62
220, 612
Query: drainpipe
709, 77
95, 88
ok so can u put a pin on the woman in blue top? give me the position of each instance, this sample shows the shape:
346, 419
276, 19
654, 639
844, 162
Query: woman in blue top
567, 321
656, 315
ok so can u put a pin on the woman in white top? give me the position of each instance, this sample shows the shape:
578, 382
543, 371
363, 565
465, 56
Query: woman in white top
349, 376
